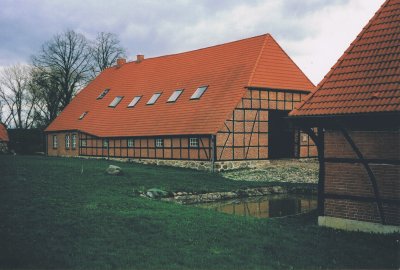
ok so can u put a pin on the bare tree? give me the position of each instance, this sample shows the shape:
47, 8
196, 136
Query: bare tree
46, 88
16, 96
68, 56
106, 49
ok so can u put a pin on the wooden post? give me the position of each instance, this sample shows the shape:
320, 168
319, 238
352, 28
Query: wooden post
321, 177
213, 150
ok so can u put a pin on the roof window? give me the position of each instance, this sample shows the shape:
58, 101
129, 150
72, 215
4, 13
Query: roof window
116, 101
134, 101
199, 92
103, 94
175, 95
153, 99
83, 115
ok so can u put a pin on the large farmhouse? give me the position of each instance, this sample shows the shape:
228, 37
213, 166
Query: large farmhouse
221, 103
357, 110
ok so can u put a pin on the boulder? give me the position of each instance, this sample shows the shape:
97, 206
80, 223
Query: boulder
114, 170
156, 193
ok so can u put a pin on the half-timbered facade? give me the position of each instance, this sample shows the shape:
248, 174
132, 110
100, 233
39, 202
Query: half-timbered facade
223, 103
356, 110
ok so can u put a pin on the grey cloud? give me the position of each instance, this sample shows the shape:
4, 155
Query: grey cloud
295, 8
150, 27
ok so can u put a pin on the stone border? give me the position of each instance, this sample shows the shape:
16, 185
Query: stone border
200, 165
219, 166
356, 225
193, 197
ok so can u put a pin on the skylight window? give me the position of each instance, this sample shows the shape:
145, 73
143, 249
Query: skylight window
83, 115
103, 94
153, 99
175, 95
199, 92
134, 101
115, 102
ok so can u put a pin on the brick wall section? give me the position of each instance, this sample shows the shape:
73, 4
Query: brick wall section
352, 179
372, 144
245, 133
61, 149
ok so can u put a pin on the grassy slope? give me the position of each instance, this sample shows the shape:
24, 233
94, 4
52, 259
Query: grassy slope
52, 216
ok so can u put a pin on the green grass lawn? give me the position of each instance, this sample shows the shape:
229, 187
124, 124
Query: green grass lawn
52, 216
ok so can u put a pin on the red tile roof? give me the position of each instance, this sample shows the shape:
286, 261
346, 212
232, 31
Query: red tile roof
366, 79
227, 69
3, 133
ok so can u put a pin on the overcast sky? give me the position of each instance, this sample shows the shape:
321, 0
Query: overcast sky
313, 32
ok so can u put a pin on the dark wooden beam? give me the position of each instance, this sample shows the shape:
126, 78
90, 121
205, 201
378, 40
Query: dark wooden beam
371, 175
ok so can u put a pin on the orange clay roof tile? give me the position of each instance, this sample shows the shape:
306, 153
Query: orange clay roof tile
366, 79
227, 69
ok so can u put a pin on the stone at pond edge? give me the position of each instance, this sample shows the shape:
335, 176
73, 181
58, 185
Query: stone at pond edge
156, 193
114, 170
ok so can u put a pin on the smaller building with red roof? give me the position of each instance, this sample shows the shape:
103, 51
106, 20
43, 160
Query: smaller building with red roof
3, 138
218, 104
356, 109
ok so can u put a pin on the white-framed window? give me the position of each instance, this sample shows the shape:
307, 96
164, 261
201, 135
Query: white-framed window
153, 99
83, 142
116, 101
105, 143
199, 92
194, 142
103, 94
134, 101
131, 143
67, 141
159, 142
73, 140
175, 95
55, 142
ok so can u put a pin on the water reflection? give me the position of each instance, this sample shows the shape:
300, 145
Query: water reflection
265, 206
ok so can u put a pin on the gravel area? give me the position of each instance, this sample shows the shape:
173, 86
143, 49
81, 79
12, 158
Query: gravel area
291, 171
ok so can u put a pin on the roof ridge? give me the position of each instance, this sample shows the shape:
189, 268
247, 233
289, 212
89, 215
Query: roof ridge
345, 53
200, 49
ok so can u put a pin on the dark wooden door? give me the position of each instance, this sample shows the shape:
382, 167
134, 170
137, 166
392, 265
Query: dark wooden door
281, 136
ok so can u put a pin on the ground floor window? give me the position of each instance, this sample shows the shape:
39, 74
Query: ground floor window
73, 141
105, 143
55, 142
83, 142
159, 142
194, 142
67, 141
130, 143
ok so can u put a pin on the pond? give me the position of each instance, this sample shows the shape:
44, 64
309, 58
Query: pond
265, 206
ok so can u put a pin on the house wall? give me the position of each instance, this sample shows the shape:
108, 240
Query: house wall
245, 133
349, 179
62, 149
177, 147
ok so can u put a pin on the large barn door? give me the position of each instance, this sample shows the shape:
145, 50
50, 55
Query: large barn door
281, 135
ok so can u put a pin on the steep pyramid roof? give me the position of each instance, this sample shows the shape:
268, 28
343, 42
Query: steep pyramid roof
226, 69
3, 133
366, 79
